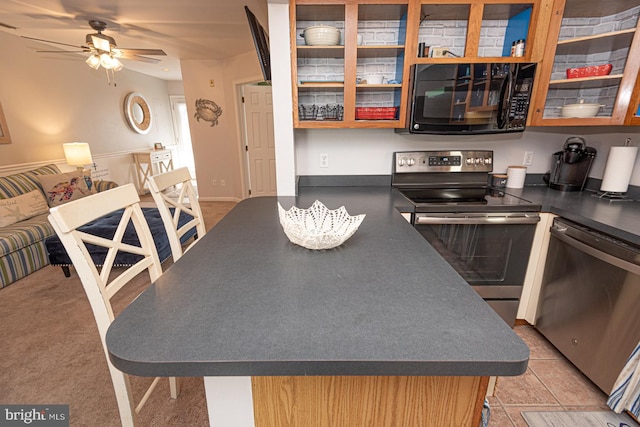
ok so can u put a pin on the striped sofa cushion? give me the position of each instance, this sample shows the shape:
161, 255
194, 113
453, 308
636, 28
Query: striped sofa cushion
24, 233
102, 185
18, 264
22, 183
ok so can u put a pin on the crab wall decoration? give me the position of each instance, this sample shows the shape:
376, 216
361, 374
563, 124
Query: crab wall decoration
208, 111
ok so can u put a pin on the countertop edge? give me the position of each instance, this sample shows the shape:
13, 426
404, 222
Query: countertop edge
326, 368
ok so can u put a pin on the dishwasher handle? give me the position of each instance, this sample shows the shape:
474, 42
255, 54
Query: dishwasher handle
481, 220
559, 233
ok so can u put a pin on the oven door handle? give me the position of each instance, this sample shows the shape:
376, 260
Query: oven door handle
482, 220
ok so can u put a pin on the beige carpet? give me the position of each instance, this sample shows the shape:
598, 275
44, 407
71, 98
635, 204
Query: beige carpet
50, 352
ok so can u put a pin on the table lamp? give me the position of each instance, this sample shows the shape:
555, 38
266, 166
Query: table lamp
77, 154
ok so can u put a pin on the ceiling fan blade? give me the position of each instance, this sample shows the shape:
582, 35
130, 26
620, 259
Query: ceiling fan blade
49, 41
142, 51
134, 57
63, 51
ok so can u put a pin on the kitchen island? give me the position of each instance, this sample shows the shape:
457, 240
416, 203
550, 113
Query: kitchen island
379, 331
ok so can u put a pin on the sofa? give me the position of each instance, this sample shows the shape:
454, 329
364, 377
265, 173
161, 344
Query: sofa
22, 243
106, 226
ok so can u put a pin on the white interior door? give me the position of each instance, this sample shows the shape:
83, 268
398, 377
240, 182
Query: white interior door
260, 148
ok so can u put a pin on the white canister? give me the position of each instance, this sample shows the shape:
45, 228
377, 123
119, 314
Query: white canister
373, 79
516, 176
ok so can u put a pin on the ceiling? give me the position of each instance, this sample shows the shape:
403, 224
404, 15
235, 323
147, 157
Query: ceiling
191, 29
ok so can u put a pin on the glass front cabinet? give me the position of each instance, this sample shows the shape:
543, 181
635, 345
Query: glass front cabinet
589, 64
352, 59
358, 81
362, 79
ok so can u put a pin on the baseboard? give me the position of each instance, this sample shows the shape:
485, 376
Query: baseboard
522, 322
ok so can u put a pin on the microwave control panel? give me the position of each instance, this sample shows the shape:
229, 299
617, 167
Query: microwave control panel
520, 105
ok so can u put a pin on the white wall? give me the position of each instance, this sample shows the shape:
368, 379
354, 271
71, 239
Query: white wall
52, 99
217, 149
369, 151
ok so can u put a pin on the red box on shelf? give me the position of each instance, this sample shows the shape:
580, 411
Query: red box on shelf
590, 71
376, 113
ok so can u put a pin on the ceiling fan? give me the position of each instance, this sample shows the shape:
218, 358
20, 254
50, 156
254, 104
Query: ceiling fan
103, 49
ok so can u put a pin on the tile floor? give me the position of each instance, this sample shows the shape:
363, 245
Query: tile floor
551, 383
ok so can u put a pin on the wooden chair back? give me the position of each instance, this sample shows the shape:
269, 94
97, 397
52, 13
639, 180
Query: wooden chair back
183, 199
98, 282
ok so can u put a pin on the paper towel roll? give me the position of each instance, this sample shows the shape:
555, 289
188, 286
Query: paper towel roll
516, 176
617, 172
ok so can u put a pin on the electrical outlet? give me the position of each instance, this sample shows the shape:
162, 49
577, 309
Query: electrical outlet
214, 182
439, 52
223, 182
528, 158
212, 83
324, 160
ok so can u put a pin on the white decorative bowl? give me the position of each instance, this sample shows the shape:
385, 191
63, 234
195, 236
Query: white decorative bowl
321, 35
318, 227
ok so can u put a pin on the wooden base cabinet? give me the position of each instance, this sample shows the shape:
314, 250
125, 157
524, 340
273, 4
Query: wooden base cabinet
535, 269
363, 401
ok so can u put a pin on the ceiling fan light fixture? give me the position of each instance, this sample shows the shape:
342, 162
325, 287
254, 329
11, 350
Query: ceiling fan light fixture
93, 61
105, 60
102, 42
117, 65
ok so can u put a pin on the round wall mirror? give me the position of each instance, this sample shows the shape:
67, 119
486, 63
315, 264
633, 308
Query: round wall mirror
137, 112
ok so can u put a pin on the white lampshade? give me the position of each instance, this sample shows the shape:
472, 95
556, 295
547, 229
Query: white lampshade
117, 65
77, 153
93, 61
106, 61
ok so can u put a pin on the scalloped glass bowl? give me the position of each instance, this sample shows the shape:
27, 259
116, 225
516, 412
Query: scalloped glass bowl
318, 227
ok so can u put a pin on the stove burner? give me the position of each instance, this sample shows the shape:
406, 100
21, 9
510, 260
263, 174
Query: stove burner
464, 196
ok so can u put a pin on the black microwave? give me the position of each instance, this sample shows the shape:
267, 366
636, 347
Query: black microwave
468, 98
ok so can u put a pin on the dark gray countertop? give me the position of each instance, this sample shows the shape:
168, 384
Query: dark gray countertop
245, 301
620, 219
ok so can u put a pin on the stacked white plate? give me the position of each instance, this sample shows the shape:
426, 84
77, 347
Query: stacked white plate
321, 35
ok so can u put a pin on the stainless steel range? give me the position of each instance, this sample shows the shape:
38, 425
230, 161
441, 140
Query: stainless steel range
484, 233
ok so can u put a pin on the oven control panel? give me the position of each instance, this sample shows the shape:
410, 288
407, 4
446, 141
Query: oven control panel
443, 161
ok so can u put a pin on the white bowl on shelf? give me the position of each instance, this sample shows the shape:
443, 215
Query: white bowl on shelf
321, 35
580, 110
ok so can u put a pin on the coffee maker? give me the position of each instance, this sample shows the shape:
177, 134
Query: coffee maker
571, 166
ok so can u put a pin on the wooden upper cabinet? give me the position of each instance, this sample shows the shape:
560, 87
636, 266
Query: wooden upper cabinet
363, 80
589, 33
633, 112
360, 81
479, 31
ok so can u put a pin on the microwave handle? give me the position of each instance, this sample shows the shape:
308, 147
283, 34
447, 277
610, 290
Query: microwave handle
505, 101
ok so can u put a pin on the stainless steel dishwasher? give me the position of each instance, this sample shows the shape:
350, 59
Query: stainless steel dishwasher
589, 300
